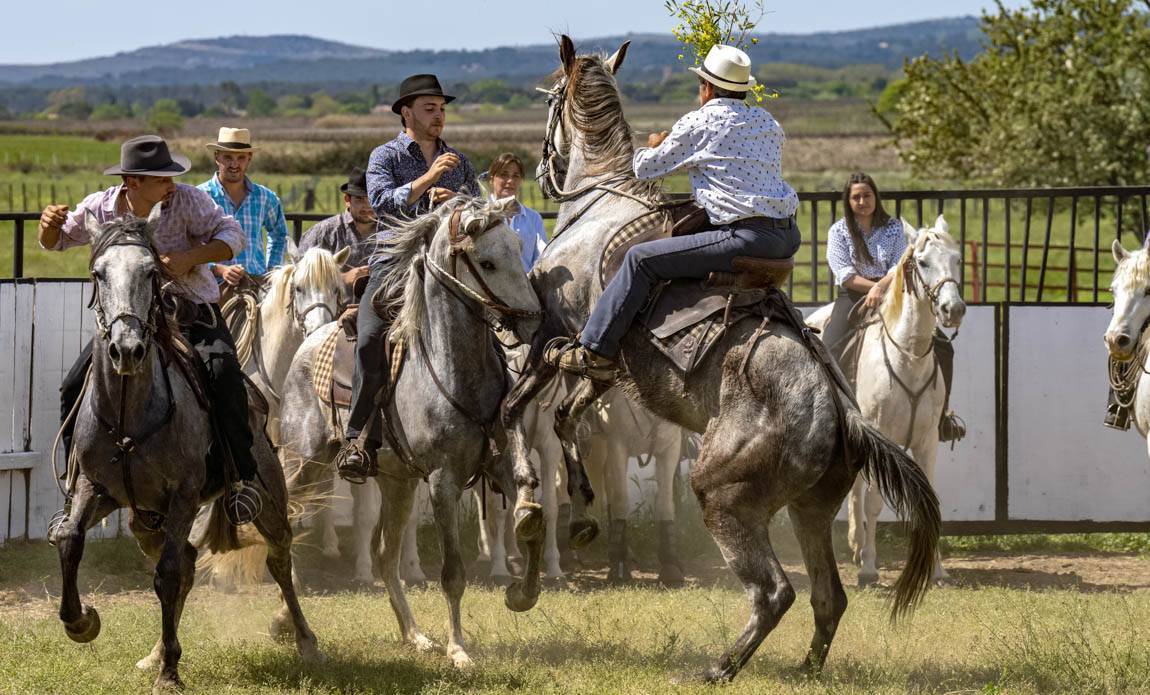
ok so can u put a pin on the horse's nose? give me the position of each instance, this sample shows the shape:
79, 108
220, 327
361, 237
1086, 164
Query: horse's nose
138, 353
114, 352
1121, 341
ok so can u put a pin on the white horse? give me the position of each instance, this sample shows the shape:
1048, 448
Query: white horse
1126, 337
898, 382
620, 430
300, 297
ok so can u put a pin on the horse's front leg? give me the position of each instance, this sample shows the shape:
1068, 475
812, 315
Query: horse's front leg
583, 527
81, 622
173, 579
445, 493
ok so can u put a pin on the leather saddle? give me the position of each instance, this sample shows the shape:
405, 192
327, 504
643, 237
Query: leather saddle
333, 369
686, 318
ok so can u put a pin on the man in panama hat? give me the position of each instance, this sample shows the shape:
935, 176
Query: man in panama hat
732, 152
257, 209
193, 231
405, 177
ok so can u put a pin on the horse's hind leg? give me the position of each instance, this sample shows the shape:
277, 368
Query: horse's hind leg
81, 622
583, 527
274, 525
812, 518
738, 515
395, 513
668, 455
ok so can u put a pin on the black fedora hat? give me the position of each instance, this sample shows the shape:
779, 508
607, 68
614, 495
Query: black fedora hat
419, 86
148, 155
356, 183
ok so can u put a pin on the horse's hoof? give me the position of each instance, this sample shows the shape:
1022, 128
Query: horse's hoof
423, 643
281, 629
582, 531
619, 575
516, 599
710, 675
867, 580
87, 628
529, 522
167, 684
410, 584
671, 576
308, 651
558, 581
460, 659
149, 662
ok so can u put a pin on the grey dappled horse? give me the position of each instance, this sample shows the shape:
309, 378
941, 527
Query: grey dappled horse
136, 386
771, 434
447, 398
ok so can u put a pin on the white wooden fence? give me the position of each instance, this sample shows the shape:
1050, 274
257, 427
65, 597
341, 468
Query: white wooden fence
1036, 456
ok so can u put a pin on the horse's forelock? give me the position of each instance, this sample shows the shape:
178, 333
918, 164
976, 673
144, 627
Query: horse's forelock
317, 268
1133, 274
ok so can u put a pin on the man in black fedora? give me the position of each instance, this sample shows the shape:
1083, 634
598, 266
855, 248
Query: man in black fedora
192, 232
405, 177
350, 229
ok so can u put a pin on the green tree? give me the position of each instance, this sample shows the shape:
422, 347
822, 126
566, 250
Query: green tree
260, 104
1059, 96
164, 117
110, 112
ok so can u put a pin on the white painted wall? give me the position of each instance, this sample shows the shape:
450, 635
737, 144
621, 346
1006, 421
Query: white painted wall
1064, 464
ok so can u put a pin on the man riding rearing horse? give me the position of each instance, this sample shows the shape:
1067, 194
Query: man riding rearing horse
733, 154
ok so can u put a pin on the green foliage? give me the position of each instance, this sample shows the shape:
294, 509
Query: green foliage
260, 105
164, 117
110, 112
704, 24
1058, 97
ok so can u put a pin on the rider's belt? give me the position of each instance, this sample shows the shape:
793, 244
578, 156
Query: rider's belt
763, 224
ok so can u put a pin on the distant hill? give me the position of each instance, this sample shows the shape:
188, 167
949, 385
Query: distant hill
304, 59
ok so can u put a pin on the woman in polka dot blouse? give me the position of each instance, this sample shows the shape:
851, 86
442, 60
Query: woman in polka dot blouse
732, 152
862, 248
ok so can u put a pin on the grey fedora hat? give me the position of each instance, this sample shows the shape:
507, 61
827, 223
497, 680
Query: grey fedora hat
148, 155
356, 184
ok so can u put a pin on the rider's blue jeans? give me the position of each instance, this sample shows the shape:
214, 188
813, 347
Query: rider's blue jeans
694, 256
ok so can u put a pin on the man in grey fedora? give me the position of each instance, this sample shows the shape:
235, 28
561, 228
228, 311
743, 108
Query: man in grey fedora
405, 177
350, 229
193, 231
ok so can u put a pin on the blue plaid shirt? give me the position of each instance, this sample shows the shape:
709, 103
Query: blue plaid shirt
259, 211
395, 165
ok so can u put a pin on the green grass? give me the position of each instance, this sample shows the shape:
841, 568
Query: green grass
988, 640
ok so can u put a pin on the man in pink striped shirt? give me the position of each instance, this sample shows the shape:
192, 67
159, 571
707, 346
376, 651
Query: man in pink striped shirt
192, 232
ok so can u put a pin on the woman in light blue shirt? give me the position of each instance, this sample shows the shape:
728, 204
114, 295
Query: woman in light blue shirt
506, 177
862, 248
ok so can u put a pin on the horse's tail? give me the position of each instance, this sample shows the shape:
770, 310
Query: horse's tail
221, 535
904, 486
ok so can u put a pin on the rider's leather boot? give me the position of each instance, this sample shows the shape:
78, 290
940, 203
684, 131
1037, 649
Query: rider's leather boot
358, 463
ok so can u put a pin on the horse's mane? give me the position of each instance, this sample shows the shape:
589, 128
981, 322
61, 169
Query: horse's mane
597, 111
892, 303
1133, 274
316, 268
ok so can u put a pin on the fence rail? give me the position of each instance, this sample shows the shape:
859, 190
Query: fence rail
1019, 245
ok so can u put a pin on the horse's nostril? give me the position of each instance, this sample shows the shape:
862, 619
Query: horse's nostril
114, 351
138, 353
1122, 340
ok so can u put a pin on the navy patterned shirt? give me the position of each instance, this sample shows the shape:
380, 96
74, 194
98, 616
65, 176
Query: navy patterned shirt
395, 165
886, 245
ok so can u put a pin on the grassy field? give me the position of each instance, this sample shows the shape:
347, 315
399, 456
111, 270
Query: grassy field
588, 638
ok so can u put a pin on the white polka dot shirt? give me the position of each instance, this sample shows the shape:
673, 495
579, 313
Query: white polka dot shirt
733, 154
886, 245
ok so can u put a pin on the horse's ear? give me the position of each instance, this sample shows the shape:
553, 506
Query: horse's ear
941, 225
92, 225
1119, 251
910, 232
566, 53
506, 207
291, 251
341, 256
616, 60
154, 219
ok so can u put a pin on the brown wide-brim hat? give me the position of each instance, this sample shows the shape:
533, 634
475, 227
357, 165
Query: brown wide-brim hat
148, 155
356, 184
419, 86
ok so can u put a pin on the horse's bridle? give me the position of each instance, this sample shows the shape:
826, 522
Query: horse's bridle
103, 326
506, 315
545, 177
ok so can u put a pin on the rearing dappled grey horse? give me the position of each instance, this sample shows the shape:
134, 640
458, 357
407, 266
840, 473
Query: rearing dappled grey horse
450, 268
772, 436
141, 441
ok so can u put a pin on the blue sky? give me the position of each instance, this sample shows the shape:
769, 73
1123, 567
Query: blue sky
64, 30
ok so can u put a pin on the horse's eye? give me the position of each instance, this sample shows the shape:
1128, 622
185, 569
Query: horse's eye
99, 276
487, 265
924, 264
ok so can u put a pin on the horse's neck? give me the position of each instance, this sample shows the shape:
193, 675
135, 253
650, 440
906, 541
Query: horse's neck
141, 395
279, 338
581, 174
914, 329
458, 345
